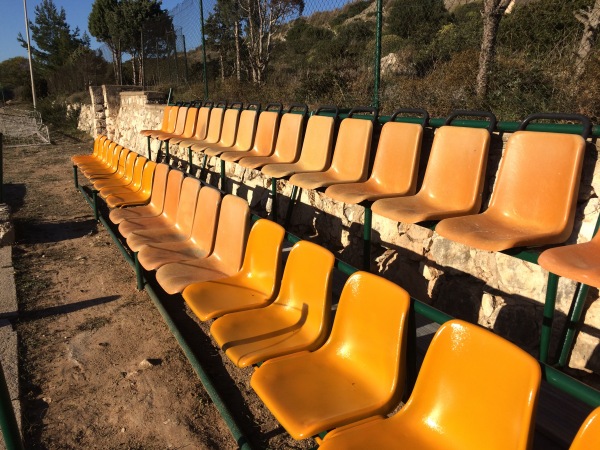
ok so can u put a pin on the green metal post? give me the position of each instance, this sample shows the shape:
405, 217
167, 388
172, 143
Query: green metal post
290, 208
203, 50
149, 149
75, 177
160, 143
274, 199
204, 161
572, 323
190, 160
95, 203
548, 316
377, 63
170, 97
8, 421
367, 238
139, 276
167, 156
222, 175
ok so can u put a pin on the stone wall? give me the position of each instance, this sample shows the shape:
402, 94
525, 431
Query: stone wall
498, 291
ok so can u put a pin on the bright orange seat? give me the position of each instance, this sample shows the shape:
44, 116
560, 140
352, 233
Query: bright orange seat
200, 129
264, 140
154, 207
164, 127
226, 258
475, 391
228, 131
534, 198
182, 115
133, 186
123, 175
107, 166
289, 138
176, 230
454, 177
214, 128
253, 286
135, 197
104, 152
244, 136
94, 156
315, 155
357, 373
588, 436
198, 245
297, 320
395, 167
199, 118
169, 211
350, 161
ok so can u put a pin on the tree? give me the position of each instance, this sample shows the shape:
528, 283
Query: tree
262, 18
55, 42
105, 23
492, 13
590, 18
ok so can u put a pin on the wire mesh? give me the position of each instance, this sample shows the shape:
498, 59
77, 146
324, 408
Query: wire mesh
544, 55
22, 128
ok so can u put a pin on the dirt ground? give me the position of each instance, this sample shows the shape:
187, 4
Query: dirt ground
99, 368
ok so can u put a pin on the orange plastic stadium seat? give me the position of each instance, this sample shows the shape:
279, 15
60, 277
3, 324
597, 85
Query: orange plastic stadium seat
213, 132
177, 230
588, 436
179, 125
171, 202
133, 186
134, 197
122, 176
315, 155
253, 286
200, 242
96, 173
228, 131
299, 318
201, 127
395, 167
157, 199
264, 140
454, 177
357, 373
350, 161
188, 129
103, 150
245, 133
94, 156
120, 168
111, 157
164, 126
173, 115
226, 257
475, 391
535, 195
289, 138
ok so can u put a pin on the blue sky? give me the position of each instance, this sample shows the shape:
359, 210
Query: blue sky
12, 21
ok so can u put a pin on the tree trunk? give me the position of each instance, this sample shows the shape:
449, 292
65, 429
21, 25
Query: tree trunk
590, 19
492, 13
221, 65
238, 56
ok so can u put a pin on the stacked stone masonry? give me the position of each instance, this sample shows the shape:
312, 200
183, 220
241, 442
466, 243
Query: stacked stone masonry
498, 291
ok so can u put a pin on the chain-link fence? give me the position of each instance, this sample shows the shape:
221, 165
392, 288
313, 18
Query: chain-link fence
511, 56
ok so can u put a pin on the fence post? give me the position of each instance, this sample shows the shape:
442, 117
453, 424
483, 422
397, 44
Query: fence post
377, 62
203, 50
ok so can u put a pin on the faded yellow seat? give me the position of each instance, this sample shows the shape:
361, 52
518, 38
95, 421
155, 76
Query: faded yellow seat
475, 391
164, 127
264, 140
179, 228
228, 131
188, 130
226, 257
94, 156
357, 373
182, 114
244, 136
534, 197
253, 286
200, 119
588, 436
134, 197
287, 146
315, 155
201, 126
123, 174
454, 177
299, 318
168, 213
395, 167
200, 242
350, 161
214, 128
157, 199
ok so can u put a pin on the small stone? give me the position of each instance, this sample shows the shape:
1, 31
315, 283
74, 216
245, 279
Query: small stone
150, 362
